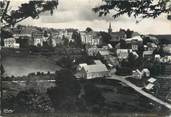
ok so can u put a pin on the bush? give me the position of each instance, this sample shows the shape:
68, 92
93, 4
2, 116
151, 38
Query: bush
32, 101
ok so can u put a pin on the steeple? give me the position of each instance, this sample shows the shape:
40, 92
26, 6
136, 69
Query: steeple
110, 28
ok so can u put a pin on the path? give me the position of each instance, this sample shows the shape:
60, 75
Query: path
140, 90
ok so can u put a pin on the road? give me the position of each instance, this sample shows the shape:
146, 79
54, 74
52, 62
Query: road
140, 90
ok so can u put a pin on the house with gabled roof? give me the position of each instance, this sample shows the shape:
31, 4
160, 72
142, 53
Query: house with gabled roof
96, 70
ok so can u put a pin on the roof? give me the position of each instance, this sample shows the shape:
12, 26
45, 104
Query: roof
24, 30
138, 38
149, 86
104, 53
97, 67
126, 51
145, 46
91, 33
164, 39
82, 65
152, 80
110, 46
157, 55
9, 39
152, 37
135, 34
167, 36
138, 71
97, 62
135, 53
148, 52
122, 50
117, 33
146, 70
153, 45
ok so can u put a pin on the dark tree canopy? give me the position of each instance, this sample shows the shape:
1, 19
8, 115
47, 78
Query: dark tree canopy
88, 29
32, 101
105, 37
2, 69
142, 8
31, 9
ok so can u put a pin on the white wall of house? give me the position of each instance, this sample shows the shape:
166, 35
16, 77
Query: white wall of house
11, 43
90, 39
97, 74
38, 41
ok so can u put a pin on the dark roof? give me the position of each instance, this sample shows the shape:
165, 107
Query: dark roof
165, 39
120, 33
135, 34
115, 36
163, 36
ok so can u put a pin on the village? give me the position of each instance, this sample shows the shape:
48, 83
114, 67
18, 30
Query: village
139, 61
95, 58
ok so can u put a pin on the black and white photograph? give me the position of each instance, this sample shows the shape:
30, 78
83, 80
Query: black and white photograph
85, 58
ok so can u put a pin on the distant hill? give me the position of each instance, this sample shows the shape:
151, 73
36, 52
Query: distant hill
164, 39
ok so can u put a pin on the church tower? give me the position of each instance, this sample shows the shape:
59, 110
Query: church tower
110, 28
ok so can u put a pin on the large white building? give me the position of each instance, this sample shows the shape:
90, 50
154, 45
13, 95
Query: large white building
123, 53
11, 43
137, 74
66, 34
90, 38
134, 42
93, 51
38, 38
167, 49
97, 70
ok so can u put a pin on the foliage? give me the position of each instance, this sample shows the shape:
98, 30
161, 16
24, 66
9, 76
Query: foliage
123, 44
128, 32
65, 93
6, 34
105, 37
77, 37
88, 29
123, 70
156, 68
142, 8
32, 101
31, 9
65, 62
85, 59
2, 69
133, 62
66, 41
93, 95
72, 95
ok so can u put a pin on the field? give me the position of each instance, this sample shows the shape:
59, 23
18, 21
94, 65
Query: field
23, 65
13, 88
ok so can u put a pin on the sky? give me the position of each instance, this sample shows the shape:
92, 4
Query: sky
78, 14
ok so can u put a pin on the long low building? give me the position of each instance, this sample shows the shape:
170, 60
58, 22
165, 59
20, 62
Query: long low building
97, 70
